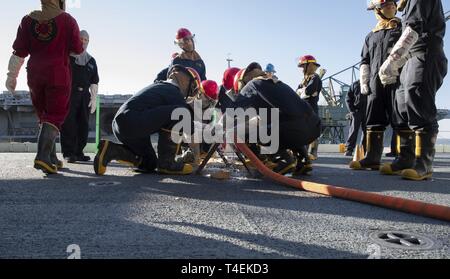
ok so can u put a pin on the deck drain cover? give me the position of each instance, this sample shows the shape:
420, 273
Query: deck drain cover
104, 183
403, 240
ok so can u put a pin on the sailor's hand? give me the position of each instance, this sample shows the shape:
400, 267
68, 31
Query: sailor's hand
365, 89
388, 80
93, 102
389, 71
11, 84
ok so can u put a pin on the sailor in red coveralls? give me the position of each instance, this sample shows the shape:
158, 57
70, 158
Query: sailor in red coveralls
49, 37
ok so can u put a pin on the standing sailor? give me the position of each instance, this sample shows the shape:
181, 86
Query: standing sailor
48, 36
420, 51
83, 101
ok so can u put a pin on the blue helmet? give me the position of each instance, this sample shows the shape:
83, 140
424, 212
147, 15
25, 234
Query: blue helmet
270, 69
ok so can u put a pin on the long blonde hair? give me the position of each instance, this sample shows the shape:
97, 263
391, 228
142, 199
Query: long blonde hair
402, 5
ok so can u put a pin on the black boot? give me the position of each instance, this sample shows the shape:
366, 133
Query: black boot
83, 158
348, 153
391, 154
167, 151
185, 154
285, 162
425, 152
109, 151
55, 161
314, 155
147, 166
46, 142
405, 150
304, 164
374, 153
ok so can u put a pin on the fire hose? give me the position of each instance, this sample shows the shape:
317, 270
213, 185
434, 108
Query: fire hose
435, 211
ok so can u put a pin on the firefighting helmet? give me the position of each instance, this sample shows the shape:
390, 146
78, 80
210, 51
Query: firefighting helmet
192, 74
210, 89
270, 68
228, 78
183, 33
378, 4
239, 81
304, 60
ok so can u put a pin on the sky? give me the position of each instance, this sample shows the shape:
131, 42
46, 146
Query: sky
133, 40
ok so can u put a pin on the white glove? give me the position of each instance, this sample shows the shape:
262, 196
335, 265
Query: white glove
365, 89
389, 71
15, 63
93, 103
364, 77
404, 44
388, 79
302, 93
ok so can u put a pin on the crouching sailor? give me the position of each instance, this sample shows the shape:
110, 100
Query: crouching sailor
146, 113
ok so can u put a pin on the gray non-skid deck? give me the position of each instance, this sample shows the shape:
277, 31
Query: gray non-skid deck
151, 216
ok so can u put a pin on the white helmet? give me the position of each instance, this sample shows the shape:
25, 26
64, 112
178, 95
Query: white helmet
378, 4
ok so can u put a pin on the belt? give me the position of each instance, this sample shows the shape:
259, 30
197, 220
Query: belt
79, 89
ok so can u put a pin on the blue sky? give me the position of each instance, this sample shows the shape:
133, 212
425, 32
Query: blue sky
133, 40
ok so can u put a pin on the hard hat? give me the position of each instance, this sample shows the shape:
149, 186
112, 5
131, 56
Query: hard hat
239, 78
195, 77
270, 68
238, 83
210, 89
308, 59
378, 4
191, 72
182, 34
228, 78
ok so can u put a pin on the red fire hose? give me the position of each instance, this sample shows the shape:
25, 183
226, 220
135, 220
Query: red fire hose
439, 212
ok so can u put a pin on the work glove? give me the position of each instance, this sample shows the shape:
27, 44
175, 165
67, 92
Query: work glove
93, 90
364, 77
349, 116
15, 63
302, 93
390, 70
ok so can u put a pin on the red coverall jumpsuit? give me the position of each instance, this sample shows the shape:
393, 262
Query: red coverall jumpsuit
49, 44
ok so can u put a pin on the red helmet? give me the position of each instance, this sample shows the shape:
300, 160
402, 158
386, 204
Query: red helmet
228, 78
307, 59
182, 34
238, 83
211, 89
